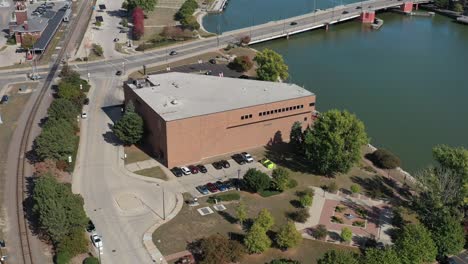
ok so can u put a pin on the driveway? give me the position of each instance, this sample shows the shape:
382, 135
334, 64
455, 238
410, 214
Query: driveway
123, 208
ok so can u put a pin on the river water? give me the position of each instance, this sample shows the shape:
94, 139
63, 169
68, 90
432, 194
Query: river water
407, 81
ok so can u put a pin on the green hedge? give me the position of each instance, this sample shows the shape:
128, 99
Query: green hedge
224, 197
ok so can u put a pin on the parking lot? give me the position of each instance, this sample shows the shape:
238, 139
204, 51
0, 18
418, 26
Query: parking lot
190, 182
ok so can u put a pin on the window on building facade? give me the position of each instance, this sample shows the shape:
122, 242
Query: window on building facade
250, 116
312, 104
242, 117
305, 118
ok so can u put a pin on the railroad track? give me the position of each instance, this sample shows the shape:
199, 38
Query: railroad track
24, 232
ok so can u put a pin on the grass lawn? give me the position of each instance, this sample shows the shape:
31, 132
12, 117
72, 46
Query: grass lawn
10, 113
135, 154
154, 172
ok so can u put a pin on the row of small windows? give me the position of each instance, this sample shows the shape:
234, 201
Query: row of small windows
281, 110
246, 117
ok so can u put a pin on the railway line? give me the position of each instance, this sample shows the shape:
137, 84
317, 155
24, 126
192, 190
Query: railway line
21, 191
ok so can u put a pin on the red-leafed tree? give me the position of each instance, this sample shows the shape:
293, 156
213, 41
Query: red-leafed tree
138, 22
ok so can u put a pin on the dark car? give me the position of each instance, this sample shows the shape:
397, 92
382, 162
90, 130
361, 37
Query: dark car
202, 189
177, 171
225, 164
293, 23
212, 187
118, 73
239, 159
345, 12
221, 186
202, 168
193, 169
173, 53
5, 99
20, 50
358, 7
228, 184
86, 101
90, 227
218, 165
212, 61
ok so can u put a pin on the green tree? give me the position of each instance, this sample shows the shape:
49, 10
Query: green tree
355, 188
241, 212
63, 109
63, 257
98, 23
296, 137
339, 257
384, 159
59, 211
458, 8
57, 140
28, 41
241, 64
334, 144
284, 261
320, 232
257, 240
147, 5
71, 91
281, 179
271, 66
74, 243
381, 256
217, 249
415, 245
288, 236
346, 234
455, 159
256, 180
305, 200
332, 187
448, 236
129, 129
264, 219
91, 260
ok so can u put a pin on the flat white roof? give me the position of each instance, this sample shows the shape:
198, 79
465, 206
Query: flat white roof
182, 95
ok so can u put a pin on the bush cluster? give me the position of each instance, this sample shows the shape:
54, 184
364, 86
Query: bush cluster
185, 15
300, 215
241, 64
384, 159
224, 197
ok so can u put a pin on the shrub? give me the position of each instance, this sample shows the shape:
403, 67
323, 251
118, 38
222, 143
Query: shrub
320, 232
339, 209
361, 212
288, 236
281, 179
63, 257
62, 165
300, 215
332, 187
305, 201
359, 223
292, 183
218, 249
98, 23
241, 64
91, 260
346, 234
355, 188
224, 197
305, 192
11, 41
384, 159
74, 243
256, 240
97, 49
124, 22
176, 33
256, 180
245, 40
336, 219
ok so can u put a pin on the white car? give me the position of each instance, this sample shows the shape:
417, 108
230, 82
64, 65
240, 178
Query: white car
84, 115
185, 170
97, 241
247, 157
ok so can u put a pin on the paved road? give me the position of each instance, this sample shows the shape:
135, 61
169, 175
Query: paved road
257, 33
122, 207
461, 258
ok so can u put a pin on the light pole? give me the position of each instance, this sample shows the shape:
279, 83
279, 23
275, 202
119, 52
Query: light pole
164, 204
238, 179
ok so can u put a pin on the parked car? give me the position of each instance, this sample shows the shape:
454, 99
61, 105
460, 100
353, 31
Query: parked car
212, 61
358, 7
177, 172
90, 228
5, 99
217, 165
345, 12
193, 169
228, 184
118, 73
268, 164
225, 164
293, 23
202, 168
116, 40
202, 189
172, 53
185, 170
212, 187
239, 159
97, 241
84, 115
247, 157
221, 186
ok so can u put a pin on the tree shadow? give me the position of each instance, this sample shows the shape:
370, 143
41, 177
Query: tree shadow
114, 112
296, 204
334, 236
110, 138
374, 187
228, 217
284, 155
236, 237
117, 13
